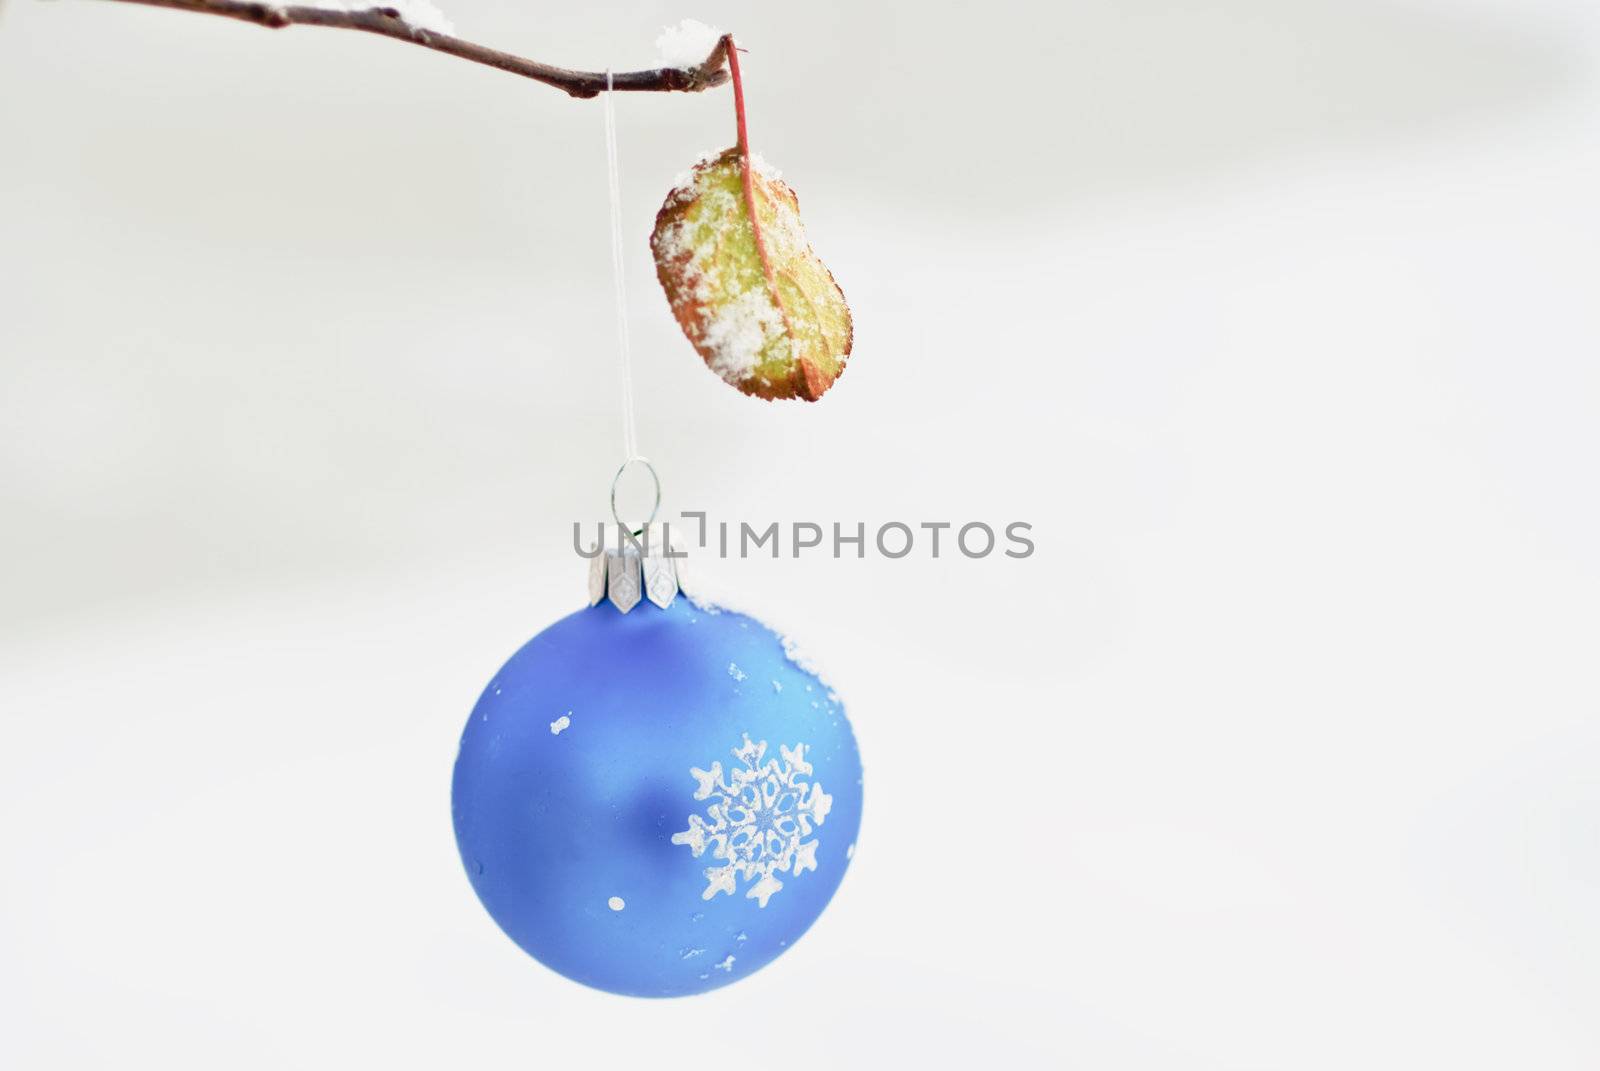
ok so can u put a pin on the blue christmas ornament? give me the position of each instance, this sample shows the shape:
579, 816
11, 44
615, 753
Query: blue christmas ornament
656, 802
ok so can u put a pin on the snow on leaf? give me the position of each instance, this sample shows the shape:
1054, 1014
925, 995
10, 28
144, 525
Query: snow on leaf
759, 820
749, 293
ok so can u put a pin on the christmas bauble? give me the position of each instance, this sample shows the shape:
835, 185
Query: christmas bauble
659, 802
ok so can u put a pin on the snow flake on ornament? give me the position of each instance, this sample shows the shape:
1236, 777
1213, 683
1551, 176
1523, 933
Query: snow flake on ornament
758, 820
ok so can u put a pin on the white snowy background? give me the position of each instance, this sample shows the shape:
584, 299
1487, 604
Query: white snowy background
1278, 320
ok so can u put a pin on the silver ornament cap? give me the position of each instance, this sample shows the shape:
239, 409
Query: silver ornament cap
632, 563
632, 567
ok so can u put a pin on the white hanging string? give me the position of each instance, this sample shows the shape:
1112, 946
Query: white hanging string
630, 435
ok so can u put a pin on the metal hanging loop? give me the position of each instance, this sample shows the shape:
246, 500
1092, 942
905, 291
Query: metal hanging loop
648, 570
654, 506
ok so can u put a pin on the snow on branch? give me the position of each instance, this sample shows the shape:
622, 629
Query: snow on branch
686, 43
421, 23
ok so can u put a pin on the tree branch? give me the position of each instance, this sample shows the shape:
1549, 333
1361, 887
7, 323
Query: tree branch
388, 22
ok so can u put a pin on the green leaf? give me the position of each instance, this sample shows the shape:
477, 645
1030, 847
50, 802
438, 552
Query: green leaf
749, 293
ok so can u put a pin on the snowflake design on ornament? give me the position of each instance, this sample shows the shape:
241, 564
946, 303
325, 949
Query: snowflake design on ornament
759, 820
